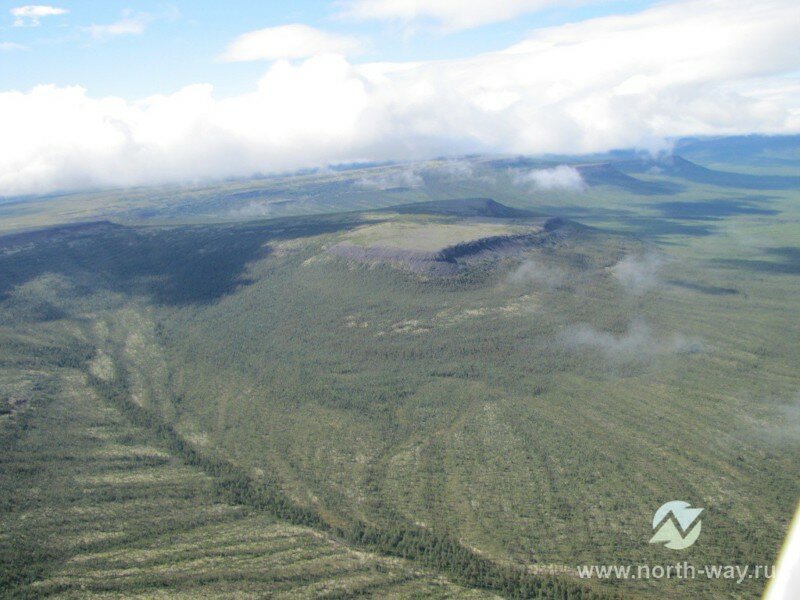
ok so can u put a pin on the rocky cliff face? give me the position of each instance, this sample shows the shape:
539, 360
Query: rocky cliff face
449, 260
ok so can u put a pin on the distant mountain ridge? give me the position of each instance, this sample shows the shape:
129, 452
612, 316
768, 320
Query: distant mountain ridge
678, 166
607, 173
463, 207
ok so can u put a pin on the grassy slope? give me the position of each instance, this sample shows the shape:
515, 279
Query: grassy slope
426, 236
433, 406
92, 508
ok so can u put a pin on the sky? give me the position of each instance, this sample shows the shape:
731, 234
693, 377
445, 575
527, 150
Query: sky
103, 94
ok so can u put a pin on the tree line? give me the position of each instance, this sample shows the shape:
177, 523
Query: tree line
428, 548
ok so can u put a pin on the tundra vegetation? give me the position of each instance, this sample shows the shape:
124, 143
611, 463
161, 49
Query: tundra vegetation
465, 387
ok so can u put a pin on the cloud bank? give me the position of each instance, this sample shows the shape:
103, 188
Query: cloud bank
681, 68
289, 42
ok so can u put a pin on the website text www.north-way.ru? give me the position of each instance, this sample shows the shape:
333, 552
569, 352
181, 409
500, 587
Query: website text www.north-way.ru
737, 573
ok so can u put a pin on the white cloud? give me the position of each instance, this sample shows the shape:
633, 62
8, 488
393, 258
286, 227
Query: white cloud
386, 180
450, 15
459, 169
639, 341
30, 15
532, 271
562, 177
288, 41
130, 24
639, 274
682, 68
9, 46
253, 209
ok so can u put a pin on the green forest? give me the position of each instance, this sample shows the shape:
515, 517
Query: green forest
420, 393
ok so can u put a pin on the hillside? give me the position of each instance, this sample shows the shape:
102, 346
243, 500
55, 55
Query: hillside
170, 388
463, 232
463, 207
110, 513
680, 167
609, 175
